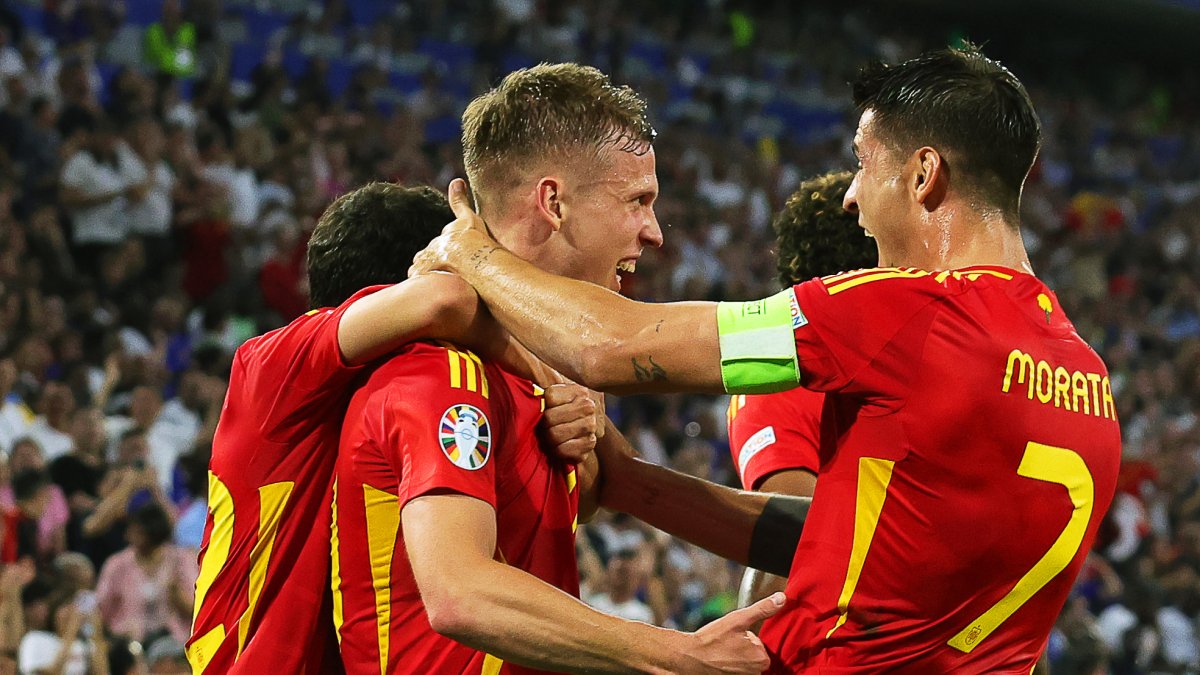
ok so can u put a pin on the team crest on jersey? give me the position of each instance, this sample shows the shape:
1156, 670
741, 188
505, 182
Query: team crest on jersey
465, 436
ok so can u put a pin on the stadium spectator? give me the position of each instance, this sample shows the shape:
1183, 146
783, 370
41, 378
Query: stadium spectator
146, 590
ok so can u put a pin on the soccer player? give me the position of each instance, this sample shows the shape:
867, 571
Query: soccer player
455, 531
976, 440
775, 438
262, 595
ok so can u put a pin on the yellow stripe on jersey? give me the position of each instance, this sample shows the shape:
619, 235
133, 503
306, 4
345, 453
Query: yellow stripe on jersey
491, 665
970, 275
312, 312
476, 378
271, 501
836, 285
572, 479
483, 384
335, 568
873, 477
383, 522
736, 403
201, 651
220, 504
455, 369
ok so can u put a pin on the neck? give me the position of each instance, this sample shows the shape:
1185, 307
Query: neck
957, 236
527, 239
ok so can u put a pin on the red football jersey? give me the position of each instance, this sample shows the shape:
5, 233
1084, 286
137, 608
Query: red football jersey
774, 432
970, 449
262, 597
437, 418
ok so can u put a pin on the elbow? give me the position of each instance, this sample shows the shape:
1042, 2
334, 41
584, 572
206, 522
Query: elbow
451, 614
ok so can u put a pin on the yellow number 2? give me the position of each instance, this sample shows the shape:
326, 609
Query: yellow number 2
1053, 465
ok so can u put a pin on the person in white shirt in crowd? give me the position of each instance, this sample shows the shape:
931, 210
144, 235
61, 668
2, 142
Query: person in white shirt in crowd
626, 573
51, 429
170, 433
73, 643
151, 217
15, 416
99, 184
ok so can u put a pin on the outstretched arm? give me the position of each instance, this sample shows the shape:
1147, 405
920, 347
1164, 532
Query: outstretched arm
592, 335
510, 614
755, 529
611, 343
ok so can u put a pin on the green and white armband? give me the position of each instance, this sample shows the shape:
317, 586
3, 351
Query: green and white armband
758, 343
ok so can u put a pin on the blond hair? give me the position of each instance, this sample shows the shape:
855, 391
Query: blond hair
551, 113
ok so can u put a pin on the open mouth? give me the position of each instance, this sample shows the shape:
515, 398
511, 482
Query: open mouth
626, 266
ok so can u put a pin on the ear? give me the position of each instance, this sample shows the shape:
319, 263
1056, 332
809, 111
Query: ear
548, 194
931, 177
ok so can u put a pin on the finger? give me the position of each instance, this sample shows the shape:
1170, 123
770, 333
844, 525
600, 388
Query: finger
750, 616
561, 433
577, 450
559, 394
459, 198
565, 413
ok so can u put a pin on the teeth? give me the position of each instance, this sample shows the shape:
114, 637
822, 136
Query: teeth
627, 266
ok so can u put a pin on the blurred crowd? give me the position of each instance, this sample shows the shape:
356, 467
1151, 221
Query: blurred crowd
162, 164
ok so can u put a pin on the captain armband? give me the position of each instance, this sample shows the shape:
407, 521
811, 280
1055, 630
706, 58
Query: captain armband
758, 343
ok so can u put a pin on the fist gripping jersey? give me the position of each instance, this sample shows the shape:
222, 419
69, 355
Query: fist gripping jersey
438, 419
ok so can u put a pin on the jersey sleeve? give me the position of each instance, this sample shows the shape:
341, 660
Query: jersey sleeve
775, 432
440, 430
295, 375
846, 322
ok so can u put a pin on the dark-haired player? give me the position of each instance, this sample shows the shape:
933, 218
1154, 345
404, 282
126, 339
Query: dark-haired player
455, 539
775, 438
262, 594
975, 443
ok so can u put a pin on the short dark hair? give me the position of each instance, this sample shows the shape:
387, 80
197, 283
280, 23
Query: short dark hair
155, 523
816, 236
966, 106
369, 237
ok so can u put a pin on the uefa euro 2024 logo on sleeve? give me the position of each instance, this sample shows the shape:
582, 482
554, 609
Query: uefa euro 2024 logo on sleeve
465, 436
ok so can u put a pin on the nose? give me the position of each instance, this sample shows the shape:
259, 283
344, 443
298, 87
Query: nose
651, 234
850, 201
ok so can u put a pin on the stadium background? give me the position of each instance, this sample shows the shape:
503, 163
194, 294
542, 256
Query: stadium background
232, 137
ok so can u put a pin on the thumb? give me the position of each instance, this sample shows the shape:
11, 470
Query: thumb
459, 198
744, 619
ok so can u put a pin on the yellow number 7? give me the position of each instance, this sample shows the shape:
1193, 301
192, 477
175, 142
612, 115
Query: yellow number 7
1040, 462
1053, 465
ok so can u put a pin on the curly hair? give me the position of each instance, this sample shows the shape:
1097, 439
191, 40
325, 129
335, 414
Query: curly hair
816, 236
369, 236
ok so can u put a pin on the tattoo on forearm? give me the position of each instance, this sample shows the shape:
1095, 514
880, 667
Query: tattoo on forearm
651, 372
478, 258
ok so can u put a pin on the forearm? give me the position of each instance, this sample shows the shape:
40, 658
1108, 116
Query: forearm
754, 529
517, 617
107, 512
596, 337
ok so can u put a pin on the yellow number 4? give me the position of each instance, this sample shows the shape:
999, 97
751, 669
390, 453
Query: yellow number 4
1053, 465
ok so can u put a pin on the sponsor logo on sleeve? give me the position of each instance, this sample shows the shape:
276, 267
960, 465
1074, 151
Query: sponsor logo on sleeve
465, 436
754, 445
798, 318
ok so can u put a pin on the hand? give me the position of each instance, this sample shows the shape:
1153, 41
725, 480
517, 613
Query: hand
15, 577
569, 423
460, 241
138, 191
727, 645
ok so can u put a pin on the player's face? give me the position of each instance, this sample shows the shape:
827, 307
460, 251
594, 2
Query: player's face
877, 193
612, 219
